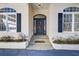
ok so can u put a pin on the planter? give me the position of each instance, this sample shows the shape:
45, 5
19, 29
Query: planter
66, 46
14, 45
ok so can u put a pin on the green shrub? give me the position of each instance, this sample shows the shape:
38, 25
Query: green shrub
66, 41
6, 38
19, 40
10, 39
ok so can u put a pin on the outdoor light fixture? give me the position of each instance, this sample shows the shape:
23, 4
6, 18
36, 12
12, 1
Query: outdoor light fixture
39, 5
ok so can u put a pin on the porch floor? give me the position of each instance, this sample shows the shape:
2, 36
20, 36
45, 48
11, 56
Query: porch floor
40, 42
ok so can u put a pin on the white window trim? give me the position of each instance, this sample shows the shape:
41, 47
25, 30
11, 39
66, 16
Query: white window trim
72, 22
7, 20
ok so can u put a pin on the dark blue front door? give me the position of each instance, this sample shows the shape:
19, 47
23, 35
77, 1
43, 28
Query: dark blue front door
39, 26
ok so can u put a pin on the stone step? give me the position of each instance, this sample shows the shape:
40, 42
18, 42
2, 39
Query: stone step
40, 37
40, 47
39, 42
46, 40
35, 42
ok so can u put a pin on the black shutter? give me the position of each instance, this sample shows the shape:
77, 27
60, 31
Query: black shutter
18, 22
60, 17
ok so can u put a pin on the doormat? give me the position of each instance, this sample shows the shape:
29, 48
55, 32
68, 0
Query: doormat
39, 41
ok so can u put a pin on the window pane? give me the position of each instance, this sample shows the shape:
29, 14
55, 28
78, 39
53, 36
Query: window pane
76, 27
67, 26
11, 22
13, 16
2, 23
67, 22
76, 22
76, 18
67, 17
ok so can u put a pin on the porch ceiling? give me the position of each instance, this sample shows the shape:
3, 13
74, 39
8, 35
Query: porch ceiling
40, 5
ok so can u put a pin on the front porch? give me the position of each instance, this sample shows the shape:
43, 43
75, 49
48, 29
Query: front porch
39, 42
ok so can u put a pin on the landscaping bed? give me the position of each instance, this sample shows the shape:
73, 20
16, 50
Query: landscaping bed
66, 44
66, 41
13, 45
10, 43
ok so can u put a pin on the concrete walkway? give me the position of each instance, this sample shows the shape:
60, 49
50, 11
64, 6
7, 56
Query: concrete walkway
40, 42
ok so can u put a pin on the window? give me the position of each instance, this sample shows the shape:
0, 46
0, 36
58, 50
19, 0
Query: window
2, 10
71, 19
8, 20
71, 9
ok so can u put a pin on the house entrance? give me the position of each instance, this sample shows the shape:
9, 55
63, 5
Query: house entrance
39, 24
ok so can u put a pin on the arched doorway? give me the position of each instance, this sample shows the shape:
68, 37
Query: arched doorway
39, 24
